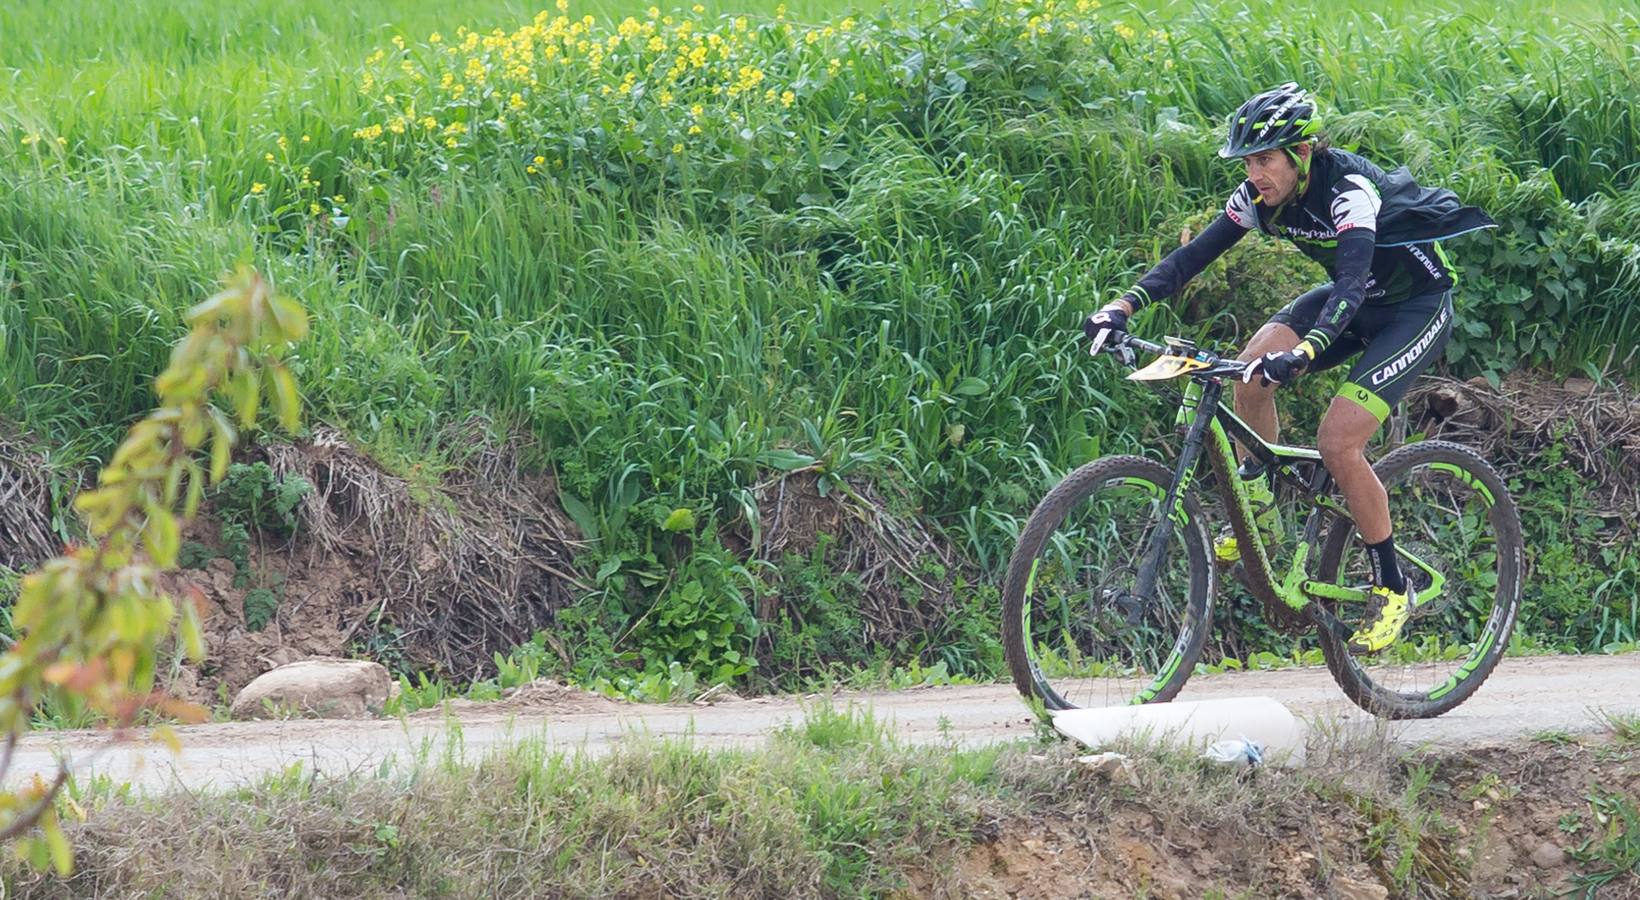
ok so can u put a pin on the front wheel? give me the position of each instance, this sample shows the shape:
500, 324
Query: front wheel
1451, 511
1074, 629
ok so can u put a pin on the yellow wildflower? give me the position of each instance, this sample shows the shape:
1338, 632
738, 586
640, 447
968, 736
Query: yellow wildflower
696, 110
516, 101
267, 157
563, 5
315, 209
666, 98
306, 139
787, 97
435, 38
531, 169
678, 147
847, 24
698, 9
450, 142
283, 144
258, 187
539, 160
694, 129
1123, 31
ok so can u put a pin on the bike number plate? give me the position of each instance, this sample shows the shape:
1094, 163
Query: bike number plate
1164, 367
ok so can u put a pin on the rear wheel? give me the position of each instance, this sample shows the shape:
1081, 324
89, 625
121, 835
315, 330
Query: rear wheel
1452, 511
1074, 630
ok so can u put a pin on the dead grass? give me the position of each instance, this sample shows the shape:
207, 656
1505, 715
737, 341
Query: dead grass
26, 534
889, 553
1597, 424
480, 565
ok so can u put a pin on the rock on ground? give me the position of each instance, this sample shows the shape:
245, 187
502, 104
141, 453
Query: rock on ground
324, 688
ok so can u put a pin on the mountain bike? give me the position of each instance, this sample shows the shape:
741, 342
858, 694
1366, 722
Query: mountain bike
1108, 598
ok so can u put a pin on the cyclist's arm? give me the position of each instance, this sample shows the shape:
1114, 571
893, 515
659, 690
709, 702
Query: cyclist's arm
1185, 263
1355, 216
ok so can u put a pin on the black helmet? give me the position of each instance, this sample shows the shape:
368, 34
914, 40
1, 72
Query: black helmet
1276, 118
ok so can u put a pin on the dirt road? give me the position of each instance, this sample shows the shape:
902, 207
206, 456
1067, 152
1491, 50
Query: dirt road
1523, 697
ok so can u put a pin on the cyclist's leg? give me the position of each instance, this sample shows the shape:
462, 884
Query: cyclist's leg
1256, 403
1414, 336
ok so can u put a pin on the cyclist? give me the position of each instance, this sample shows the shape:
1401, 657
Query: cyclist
1390, 301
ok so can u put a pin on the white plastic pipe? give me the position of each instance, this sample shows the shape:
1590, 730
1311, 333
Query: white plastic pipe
1192, 725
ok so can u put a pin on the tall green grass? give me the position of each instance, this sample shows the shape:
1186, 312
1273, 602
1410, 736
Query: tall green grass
889, 265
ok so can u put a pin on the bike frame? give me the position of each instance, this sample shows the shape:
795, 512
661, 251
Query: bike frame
1210, 428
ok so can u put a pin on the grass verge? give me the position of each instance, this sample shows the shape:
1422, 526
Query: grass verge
834, 806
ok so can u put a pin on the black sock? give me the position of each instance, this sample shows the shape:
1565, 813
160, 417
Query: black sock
1385, 570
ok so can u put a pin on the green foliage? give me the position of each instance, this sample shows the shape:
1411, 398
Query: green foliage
261, 605
523, 665
816, 624
670, 685
1612, 850
1582, 567
704, 620
253, 497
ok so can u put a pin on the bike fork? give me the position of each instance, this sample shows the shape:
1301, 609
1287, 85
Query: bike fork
1151, 566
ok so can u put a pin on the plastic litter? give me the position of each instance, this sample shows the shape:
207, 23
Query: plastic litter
1236, 752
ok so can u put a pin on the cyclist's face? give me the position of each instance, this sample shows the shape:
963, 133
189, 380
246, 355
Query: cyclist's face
1274, 174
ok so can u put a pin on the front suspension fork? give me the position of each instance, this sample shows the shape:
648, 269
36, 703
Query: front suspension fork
1195, 437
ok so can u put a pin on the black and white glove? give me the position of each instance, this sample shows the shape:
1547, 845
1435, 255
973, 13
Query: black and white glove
1104, 325
1279, 367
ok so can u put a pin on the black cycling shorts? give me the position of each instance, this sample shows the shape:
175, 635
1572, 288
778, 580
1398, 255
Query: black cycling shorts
1396, 342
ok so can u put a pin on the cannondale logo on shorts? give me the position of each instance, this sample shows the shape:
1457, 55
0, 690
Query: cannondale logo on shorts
1413, 353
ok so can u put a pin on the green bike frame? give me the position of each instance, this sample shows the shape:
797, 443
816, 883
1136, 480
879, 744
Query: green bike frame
1211, 427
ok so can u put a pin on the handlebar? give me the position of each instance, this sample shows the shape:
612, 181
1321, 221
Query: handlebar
1123, 345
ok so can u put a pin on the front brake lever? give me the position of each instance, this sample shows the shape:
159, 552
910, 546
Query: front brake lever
1126, 355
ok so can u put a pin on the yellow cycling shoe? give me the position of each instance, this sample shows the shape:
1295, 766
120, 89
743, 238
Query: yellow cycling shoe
1393, 611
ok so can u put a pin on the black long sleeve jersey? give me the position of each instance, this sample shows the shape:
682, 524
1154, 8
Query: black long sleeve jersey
1375, 233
